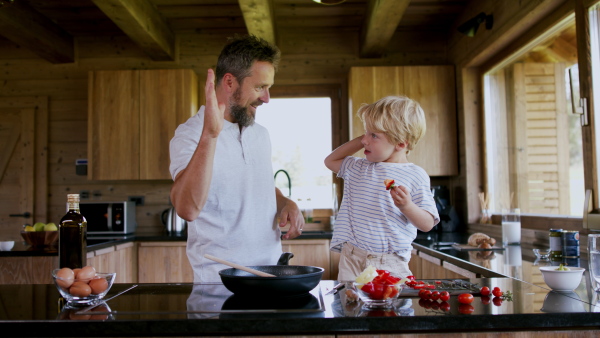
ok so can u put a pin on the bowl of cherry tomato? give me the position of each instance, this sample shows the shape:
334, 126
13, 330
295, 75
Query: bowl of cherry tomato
378, 295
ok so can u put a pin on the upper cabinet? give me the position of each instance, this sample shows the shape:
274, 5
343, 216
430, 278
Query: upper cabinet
132, 116
434, 88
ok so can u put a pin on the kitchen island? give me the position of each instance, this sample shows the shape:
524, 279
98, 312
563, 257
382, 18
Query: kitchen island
210, 309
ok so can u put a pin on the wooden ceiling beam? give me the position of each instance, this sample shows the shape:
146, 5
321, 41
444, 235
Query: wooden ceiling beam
381, 21
28, 28
259, 18
142, 22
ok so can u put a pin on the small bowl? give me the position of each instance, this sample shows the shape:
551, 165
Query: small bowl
381, 299
542, 253
87, 300
562, 280
40, 238
6, 245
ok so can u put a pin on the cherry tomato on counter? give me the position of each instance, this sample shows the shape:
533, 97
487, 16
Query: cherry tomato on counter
497, 301
485, 291
497, 292
485, 300
425, 294
435, 295
465, 298
444, 296
445, 306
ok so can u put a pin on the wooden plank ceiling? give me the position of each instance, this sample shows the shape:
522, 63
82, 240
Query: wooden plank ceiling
50, 27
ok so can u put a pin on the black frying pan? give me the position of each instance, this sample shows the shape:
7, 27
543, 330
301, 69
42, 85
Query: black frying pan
289, 280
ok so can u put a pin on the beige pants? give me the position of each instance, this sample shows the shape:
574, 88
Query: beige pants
354, 260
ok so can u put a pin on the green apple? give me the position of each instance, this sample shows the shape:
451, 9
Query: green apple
39, 226
50, 227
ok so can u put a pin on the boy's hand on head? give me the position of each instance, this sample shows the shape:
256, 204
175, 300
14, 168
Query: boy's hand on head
401, 196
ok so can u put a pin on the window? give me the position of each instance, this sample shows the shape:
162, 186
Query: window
533, 140
301, 138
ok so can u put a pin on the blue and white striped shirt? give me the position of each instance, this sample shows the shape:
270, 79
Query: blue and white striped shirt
368, 218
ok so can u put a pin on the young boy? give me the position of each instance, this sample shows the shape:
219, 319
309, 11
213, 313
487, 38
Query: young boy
375, 226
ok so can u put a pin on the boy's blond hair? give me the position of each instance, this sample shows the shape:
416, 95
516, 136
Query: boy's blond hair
399, 118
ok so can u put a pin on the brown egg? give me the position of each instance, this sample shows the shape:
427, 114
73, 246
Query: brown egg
76, 271
87, 272
98, 285
65, 278
80, 289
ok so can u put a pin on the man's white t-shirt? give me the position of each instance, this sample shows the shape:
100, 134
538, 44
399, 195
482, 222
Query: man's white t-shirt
238, 222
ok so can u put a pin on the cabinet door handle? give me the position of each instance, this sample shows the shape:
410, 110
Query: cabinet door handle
25, 215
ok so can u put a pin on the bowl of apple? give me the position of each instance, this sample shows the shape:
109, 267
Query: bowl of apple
40, 234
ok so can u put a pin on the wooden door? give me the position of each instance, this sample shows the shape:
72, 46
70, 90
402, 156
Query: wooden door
114, 125
23, 163
167, 99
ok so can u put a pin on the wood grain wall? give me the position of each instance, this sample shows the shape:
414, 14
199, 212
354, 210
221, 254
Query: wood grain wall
308, 57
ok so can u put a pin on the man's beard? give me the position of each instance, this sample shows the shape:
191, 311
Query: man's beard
239, 113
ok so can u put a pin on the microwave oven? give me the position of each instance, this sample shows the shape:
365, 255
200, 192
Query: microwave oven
109, 218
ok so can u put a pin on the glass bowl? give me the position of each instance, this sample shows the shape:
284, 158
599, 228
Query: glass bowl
542, 253
378, 296
76, 292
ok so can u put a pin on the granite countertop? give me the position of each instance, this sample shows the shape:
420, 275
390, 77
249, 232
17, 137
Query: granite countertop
210, 309
206, 309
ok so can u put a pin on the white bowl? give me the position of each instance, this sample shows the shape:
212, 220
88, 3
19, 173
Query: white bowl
562, 280
561, 302
6, 245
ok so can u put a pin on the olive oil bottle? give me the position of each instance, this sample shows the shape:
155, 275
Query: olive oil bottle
72, 240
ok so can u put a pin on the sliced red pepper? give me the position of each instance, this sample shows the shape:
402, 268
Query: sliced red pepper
368, 288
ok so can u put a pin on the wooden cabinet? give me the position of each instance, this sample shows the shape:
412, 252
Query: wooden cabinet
132, 116
311, 252
121, 259
164, 262
434, 88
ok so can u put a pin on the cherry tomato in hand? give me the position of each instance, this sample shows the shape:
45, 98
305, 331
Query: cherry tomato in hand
444, 296
466, 309
465, 298
497, 292
497, 301
485, 291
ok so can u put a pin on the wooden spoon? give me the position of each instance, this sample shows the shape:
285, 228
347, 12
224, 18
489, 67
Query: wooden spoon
237, 266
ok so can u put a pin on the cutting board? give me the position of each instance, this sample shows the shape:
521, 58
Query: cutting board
467, 247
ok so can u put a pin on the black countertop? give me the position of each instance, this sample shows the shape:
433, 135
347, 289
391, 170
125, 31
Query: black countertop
206, 309
210, 309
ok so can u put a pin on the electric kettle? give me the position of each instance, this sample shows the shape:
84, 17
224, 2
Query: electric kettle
175, 225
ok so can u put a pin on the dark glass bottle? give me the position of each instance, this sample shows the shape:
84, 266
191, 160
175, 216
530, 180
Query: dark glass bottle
72, 240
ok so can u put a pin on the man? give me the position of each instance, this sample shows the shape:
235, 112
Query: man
221, 165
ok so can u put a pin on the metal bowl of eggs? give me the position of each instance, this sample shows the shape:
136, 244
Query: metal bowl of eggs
82, 286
